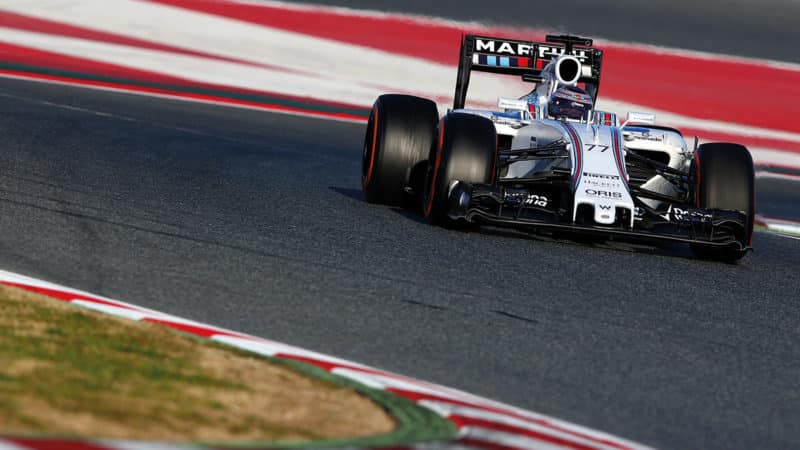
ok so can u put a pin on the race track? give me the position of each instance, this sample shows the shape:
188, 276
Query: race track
255, 221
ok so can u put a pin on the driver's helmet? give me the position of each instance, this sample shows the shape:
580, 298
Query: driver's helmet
570, 102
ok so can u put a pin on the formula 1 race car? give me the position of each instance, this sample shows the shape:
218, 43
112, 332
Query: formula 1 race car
550, 162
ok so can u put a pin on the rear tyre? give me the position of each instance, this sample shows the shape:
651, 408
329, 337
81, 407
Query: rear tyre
399, 136
725, 180
466, 151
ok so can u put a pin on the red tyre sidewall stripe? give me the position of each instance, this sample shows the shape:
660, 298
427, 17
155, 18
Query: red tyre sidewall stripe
436, 166
374, 149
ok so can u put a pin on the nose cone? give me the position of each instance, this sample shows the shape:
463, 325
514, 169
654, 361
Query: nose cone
605, 213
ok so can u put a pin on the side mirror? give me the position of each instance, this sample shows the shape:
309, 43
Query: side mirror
512, 104
640, 118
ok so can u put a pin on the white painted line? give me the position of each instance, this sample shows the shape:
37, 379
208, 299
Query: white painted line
509, 440
192, 68
22, 279
111, 310
333, 62
271, 348
770, 156
449, 409
781, 227
778, 176
784, 228
384, 382
393, 381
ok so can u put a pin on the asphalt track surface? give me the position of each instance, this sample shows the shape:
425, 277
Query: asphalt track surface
255, 221
752, 28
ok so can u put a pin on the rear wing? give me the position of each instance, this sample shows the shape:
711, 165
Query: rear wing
525, 59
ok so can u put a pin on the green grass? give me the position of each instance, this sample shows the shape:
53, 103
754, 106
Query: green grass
83, 357
69, 371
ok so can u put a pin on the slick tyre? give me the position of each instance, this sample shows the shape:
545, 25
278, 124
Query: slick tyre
725, 180
400, 133
467, 152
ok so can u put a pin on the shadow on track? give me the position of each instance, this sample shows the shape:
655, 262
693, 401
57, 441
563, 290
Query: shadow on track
355, 194
669, 249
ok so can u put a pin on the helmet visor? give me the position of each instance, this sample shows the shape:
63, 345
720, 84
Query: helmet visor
570, 109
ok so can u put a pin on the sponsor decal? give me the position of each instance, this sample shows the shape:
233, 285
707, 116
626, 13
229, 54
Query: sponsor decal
686, 215
603, 194
537, 200
602, 148
605, 211
550, 52
527, 199
601, 176
603, 185
602, 180
503, 47
526, 48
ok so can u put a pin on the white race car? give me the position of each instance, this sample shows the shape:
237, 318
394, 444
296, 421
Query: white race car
549, 161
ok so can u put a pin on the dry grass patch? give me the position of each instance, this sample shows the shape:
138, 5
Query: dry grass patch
65, 370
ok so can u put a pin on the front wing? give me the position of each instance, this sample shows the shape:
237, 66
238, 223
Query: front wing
495, 205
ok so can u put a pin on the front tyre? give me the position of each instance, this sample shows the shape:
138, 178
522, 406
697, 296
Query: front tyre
467, 152
400, 132
725, 180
